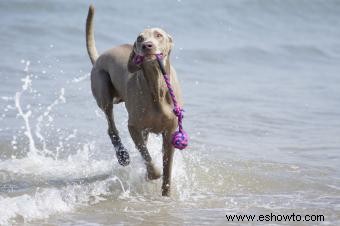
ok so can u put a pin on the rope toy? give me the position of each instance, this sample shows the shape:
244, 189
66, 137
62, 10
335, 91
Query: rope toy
179, 138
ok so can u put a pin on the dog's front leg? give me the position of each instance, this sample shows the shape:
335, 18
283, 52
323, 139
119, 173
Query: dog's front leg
140, 139
168, 153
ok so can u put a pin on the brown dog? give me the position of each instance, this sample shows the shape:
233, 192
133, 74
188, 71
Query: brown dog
116, 78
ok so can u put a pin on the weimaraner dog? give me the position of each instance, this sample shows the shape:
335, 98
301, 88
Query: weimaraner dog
115, 78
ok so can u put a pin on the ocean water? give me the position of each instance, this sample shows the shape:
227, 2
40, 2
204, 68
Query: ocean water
261, 84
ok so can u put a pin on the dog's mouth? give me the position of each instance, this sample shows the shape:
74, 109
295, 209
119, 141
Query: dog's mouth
146, 57
150, 55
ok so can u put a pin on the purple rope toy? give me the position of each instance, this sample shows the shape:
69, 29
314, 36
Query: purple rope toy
179, 138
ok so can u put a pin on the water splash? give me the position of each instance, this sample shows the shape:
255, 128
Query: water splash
27, 82
46, 114
44, 177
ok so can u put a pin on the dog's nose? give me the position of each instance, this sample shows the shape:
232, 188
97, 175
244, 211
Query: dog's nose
147, 45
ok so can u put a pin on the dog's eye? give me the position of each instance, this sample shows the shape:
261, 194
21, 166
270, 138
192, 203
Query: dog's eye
159, 35
140, 39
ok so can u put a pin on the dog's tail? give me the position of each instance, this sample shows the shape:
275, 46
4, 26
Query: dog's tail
90, 43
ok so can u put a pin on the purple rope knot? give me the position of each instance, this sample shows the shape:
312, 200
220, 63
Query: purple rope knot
180, 140
178, 112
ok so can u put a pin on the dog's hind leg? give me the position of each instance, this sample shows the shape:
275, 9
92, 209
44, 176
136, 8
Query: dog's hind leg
140, 139
104, 93
121, 152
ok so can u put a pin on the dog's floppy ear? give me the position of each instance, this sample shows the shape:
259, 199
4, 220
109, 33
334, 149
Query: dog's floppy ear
170, 44
132, 67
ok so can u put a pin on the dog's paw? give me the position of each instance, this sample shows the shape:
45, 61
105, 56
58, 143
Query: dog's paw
152, 173
123, 157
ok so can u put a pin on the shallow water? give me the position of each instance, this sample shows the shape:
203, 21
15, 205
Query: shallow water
261, 88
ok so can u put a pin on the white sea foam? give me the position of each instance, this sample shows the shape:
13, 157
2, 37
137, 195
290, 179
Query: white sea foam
47, 201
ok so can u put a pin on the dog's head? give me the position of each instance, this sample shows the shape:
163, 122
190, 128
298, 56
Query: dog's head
148, 43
